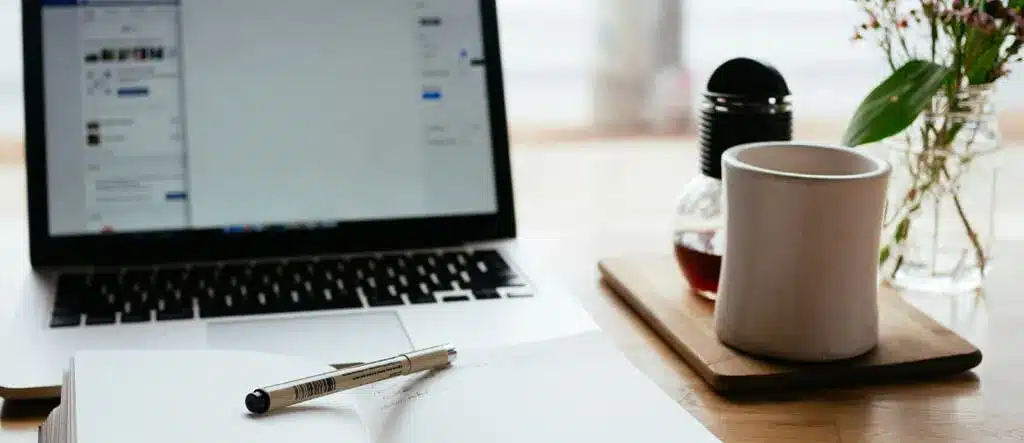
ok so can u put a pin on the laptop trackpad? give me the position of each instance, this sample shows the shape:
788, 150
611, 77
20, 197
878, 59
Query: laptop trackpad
332, 339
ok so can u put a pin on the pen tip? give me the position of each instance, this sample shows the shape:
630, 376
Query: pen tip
257, 402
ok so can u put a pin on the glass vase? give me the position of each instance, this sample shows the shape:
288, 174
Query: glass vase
940, 215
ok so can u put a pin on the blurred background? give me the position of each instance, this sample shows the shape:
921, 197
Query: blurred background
581, 69
568, 61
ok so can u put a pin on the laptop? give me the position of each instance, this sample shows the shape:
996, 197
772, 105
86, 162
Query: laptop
321, 178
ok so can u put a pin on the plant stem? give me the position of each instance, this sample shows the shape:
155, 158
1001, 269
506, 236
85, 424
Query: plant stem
933, 28
896, 268
971, 234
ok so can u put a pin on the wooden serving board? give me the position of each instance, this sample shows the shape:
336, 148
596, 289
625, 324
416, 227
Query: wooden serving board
912, 345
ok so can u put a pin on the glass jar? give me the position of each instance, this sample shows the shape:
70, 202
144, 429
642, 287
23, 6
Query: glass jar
699, 234
940, 215
746, 101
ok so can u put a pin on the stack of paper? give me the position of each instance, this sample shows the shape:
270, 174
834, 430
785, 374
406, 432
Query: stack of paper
566, 390
57, 428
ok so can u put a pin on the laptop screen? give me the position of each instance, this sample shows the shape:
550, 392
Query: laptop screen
244, 115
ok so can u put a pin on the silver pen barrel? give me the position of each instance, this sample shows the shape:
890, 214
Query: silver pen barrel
282, 395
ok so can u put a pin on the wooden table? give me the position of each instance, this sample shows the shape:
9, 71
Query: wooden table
578, 203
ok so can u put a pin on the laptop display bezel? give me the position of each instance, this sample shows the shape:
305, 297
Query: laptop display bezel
135, 249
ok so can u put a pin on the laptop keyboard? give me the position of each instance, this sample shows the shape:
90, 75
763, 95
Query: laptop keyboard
165, 294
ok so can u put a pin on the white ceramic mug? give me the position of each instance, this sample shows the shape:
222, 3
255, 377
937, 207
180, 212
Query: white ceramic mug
799, 272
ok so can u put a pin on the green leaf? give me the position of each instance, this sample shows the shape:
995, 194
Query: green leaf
978, 72
902, 230
1016, 3
896, 102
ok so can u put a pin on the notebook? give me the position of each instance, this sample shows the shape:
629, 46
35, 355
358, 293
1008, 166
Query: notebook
578, 388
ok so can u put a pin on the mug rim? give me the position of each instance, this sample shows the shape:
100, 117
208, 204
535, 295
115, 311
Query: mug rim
731, 158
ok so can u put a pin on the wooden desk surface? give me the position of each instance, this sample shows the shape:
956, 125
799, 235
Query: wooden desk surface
578, 203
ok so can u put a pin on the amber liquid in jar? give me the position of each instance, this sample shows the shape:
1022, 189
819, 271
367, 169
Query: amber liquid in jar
699, 254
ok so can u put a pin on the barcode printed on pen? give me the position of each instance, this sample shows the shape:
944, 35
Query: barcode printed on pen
314, 388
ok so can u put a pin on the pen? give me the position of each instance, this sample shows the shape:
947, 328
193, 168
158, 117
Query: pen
281, 395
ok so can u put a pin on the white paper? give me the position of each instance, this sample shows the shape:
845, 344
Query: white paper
198, 397
573, 389
56, 429
565, 390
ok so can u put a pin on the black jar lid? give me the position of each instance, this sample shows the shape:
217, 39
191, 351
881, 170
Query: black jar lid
748, 78
733, 87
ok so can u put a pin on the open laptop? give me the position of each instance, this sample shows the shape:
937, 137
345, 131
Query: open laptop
320, 178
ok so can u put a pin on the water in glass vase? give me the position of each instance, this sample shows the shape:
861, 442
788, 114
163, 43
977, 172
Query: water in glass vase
937, 254
940, 217
699, 254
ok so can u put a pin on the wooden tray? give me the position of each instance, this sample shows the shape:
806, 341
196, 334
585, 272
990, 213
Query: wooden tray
912, 345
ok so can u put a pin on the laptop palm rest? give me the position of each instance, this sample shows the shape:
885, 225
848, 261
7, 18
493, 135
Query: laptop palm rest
331, 339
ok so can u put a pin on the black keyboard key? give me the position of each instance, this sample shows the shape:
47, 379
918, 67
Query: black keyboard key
404, 262
296, 297
100, 309
105, 279
68, 305
452, 298
241, 300
295, 267
508, 281
173, 277
487, 269
394, 261
219, 305
283, 286
486, 294
145, 300
403, 281
421, 294
70, 291
338, 299
99, 319
262, 302
420, 261
137, 278
369, 287
447, 264
177, 315
268, 270
136, 317
384, 301
435, 282
170, 308
373, 265
65, 320
377, 296
132, 312
199, 280
492, 260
